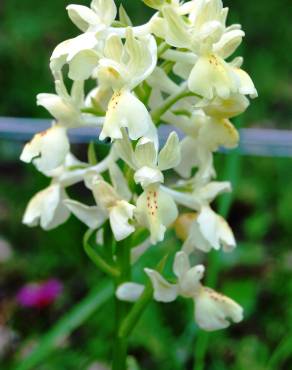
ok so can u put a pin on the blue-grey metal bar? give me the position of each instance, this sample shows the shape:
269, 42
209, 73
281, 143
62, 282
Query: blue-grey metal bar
253, 141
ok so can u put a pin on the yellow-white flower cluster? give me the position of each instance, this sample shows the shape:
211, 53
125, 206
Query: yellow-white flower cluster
177, 70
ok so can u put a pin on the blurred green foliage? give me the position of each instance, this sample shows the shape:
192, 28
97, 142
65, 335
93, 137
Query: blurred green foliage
257, 274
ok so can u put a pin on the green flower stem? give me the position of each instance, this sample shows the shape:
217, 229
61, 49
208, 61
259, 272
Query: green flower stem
96, 258
120, 346
136, 312
143, 91
139, 307
169, 102
162, 48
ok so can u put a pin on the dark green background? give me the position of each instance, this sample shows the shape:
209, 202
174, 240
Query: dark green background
258, 274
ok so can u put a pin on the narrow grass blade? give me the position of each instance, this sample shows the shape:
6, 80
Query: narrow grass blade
69, 322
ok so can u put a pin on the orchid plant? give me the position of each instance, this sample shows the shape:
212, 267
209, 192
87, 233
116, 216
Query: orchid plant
175, 70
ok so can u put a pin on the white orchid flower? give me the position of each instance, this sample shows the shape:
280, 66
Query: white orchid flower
80, 53
212, 76
209, 231
111, 203
205, 135
83, 52
213, 311
99, 16
205, 34
145, 159
155, 209
119, 210
224, 108
48, 149
123, 67
46, 208
198, 193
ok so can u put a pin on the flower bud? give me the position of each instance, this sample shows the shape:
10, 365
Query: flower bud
182, 225
156, 4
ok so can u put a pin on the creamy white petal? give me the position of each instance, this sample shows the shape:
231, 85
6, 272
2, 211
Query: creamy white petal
151, 135
212, 76
181, 264
219, 132
124, 150
246, 85
189, 157
82, 16
142, 57
207, 193
58, 108
209, 231
104, 194
93, 217
189, 284
214, 311
112, 74
182, 59
195, 240
82, 65
91, 178
177, 33
106, 9
147, 176
114, 48
163, 290
129, 292
119, 182
183, 70
125, 110
160, 80
47, 149
145, 153
228, 108
119, 216
156, 210
170, 154
228, 43
46, 208
66, 51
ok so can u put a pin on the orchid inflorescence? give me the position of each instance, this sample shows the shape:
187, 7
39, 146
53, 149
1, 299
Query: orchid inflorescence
173, 70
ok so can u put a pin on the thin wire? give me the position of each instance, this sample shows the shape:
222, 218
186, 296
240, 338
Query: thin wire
253, 141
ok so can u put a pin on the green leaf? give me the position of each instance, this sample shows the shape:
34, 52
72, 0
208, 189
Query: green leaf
91, 154
281, 353
124, 18
69, 322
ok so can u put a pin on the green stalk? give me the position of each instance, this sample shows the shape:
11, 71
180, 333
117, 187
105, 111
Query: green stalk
169, 102
139, 307
231, 173
96, 258
122, 308
136, 312
162, 48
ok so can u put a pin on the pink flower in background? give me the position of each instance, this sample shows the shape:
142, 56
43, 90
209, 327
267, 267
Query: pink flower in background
39, 295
